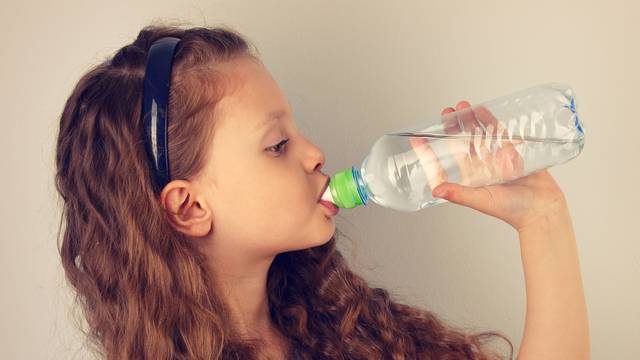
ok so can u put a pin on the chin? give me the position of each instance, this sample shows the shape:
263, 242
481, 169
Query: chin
325, 239
319, 241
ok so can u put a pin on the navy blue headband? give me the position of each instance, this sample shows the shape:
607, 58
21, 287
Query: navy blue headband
155, 107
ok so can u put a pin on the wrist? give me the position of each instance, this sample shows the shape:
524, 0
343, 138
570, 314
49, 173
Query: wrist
555, 217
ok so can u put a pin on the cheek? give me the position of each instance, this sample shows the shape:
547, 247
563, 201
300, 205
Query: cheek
267, 199
271, 226
281, 191
271, 202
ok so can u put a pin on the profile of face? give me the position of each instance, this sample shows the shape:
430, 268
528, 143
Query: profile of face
257, 197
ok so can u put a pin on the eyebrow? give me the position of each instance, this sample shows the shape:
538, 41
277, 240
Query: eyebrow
273, 115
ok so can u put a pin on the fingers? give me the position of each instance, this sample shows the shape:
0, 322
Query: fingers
509, 163
483, 129
447, 110
471, 125
478, 161
477, 157
458, 148
429, 161
462, 104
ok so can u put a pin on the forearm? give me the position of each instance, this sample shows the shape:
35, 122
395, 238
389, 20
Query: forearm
556, 324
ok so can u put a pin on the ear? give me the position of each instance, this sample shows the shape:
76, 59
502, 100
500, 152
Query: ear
185, 211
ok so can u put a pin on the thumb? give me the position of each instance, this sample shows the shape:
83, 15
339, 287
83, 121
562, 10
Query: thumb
479, 198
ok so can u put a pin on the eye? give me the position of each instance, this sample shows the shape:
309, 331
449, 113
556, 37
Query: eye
278, 147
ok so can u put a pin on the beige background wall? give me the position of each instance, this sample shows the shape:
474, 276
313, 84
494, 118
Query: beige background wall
365, 67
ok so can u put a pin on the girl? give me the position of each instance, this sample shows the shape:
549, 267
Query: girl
213, 266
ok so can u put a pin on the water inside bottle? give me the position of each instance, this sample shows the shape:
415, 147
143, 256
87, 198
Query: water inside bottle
494, 142
401, 176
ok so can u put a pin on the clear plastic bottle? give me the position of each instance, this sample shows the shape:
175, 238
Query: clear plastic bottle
539, 125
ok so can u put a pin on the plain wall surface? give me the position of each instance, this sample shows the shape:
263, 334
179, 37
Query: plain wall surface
352, 71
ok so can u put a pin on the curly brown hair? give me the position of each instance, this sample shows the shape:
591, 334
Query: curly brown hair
144, 288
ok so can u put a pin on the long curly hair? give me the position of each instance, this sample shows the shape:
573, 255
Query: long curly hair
144, 288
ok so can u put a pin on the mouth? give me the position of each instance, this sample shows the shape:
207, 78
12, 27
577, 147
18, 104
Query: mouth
324, 188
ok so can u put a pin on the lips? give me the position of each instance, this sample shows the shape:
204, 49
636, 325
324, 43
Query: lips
324, 188
332, 208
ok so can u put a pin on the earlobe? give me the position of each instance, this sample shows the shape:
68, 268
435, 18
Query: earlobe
185, 212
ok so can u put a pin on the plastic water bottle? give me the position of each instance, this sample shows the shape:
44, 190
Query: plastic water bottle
539, 125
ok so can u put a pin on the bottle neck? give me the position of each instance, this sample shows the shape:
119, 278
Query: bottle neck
361, 185
349, 189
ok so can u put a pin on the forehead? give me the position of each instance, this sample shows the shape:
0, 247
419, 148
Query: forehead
254, 99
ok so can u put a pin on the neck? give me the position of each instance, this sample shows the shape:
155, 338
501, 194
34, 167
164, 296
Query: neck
243, 283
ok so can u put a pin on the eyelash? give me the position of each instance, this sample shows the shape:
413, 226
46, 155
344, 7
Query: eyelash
279, 145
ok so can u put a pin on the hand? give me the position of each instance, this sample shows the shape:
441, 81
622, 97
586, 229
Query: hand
482, 160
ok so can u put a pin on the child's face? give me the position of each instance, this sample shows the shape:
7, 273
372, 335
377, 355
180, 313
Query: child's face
263, 202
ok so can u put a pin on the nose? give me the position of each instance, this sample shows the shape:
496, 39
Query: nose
315, 158
319, 162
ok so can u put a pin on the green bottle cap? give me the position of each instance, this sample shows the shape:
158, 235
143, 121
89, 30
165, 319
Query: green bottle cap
344, 190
